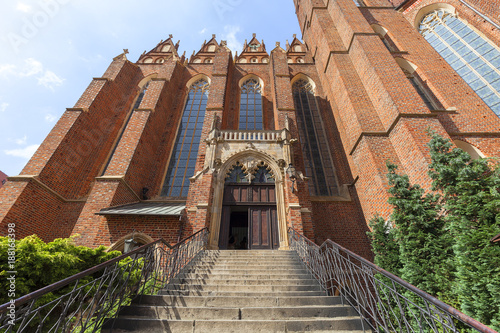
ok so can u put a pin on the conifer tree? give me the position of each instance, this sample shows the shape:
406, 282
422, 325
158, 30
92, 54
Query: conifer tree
444, 237
471, 200
384, 245
424, 245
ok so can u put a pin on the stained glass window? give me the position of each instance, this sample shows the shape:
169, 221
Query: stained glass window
262, 175
314, 143
474, 58
237, 175
183, 159
251, 106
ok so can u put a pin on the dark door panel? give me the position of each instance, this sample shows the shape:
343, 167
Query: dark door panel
260, 201
259, 228
224, 227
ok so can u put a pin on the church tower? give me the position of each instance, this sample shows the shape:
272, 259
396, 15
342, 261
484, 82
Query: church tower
270, 138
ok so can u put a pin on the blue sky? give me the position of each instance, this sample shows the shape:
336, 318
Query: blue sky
51, 49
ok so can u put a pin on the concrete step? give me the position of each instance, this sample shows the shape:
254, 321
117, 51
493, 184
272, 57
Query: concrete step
241, 293
221, 262
249, 266
250, 257
143, 325
220, 287
250, 275
245, 282
236, 301
245, 270
248, 269
235, 313
252, 253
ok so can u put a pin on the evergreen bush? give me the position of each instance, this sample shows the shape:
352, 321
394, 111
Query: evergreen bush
439, 241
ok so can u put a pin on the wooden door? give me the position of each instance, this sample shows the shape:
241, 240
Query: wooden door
260, 200
274, 227
224, 227
263, 228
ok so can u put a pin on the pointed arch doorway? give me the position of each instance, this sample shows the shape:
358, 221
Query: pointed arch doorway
249, 215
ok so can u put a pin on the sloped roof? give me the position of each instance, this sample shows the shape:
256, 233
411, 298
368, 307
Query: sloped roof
146, 208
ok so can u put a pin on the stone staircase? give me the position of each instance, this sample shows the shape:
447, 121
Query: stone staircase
240, 291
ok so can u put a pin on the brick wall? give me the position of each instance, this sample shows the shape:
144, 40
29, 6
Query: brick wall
378, 114
370, 111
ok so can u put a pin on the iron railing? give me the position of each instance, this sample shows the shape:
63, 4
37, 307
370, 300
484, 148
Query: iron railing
385, 302
95, 295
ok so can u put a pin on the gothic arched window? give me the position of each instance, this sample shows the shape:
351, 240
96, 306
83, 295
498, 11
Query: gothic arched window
237, 175
262, 176
474, 58
314, 142
251, 106
183, 159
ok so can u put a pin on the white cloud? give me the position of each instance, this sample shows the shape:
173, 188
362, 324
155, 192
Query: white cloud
22, 141
23, 7
50, 118
202, 31
4, 106
32, 67
26, 152
7, 69
50, 80
229, 34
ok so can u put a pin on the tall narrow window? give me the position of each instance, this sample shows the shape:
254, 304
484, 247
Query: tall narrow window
417, 84
387, 45
421, 88
251, 106
315, 149
141, 96
136, 105
183, 159
474, 58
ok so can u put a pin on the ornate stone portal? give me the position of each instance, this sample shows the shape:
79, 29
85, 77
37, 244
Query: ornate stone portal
226, 148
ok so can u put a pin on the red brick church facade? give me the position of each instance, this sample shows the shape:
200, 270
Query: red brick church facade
363, 87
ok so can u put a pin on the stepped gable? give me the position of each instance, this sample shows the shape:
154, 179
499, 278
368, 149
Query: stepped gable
207, 52
3, 178
160, 53
296, 52
254, 52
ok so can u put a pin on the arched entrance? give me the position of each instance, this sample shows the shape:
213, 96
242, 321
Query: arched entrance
249, 217
249, 201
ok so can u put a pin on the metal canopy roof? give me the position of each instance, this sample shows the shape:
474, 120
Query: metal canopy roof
146, 208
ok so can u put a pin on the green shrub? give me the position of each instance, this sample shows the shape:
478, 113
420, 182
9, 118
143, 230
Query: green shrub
39, 264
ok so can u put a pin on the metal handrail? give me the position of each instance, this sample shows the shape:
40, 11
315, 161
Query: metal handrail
385, 302
95, 295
